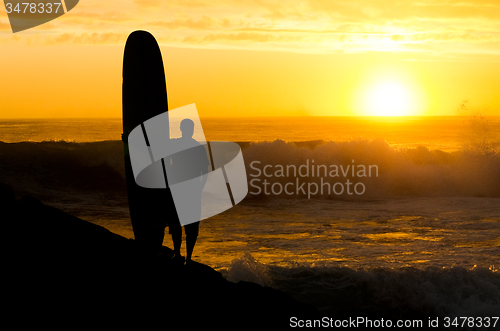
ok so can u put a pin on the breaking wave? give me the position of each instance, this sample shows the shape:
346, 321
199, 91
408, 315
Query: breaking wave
98, 166
379, 292
394, 172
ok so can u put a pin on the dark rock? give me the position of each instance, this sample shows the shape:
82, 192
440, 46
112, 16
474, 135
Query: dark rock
61, 270
8, 202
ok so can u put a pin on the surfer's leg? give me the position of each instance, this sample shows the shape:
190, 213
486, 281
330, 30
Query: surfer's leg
159, 235
176, 231
191, 236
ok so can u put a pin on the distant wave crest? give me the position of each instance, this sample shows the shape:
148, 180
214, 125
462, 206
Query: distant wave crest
401, 172
64, 166
98, 166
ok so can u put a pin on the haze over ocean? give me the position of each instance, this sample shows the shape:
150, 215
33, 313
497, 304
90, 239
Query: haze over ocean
447, 133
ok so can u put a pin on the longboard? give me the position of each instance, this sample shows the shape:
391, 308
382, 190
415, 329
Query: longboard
144, 95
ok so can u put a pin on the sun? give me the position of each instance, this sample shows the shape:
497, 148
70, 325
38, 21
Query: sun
390, 98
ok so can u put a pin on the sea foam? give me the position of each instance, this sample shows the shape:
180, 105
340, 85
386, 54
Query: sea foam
404, 292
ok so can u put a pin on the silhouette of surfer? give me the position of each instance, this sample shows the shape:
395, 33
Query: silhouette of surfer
189, 166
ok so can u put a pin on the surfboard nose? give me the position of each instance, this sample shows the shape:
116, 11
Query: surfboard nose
144, 88
141, 36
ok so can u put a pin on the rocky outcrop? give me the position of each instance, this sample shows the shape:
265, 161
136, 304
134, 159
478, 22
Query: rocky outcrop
60, 270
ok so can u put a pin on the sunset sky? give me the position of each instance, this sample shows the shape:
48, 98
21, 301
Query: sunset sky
262, 58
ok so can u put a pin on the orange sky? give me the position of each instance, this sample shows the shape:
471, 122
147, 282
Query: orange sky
260, 58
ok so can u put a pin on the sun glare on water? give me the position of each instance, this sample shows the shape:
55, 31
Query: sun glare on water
389, 99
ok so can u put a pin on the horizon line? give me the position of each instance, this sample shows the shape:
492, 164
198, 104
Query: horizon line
264, 116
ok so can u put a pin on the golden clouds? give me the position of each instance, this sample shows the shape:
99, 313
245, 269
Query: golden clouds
204, 23
330, 26
171, 3
5, 26
147, 3
329, 51
89, 18
319, 26
86, 39
376, 11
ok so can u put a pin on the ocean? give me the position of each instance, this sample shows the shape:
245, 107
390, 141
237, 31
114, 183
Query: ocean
419, 233
446, 133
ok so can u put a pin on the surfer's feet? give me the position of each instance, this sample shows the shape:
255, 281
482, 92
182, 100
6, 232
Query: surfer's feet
166, 255
178, 259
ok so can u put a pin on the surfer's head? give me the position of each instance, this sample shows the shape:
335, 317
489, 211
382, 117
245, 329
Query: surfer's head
187, 127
